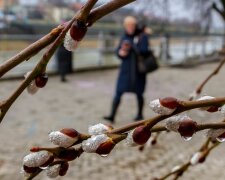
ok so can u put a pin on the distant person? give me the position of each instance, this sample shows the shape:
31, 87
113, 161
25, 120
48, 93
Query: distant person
130, 79
64, 62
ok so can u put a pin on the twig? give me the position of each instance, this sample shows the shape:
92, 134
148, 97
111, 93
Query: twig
34, 48
41, 66
215, 71
30, 50
179, 172
105, 9
186, 105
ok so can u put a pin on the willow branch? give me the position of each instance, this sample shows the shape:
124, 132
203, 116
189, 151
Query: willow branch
185, 106
30, 51
105, 9
183, 168
41, 66
83, 15
200, 127
37, 46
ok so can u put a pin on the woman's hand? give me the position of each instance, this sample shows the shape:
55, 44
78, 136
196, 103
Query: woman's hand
123, 53
125, 48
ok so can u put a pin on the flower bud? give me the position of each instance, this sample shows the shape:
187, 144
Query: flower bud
182, 124
105, 148
53, 171
209, 109
138, 136
165, 106
64, 168
216, 134
31, 88
100, 144
69, 43
30, 170
98, 129
41, 80
57, 170
169, 102
78, 30
68, 154
173, 123
65, 137
37, 159
198, 157
187, 128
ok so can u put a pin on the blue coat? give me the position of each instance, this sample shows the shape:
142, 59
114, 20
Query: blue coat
130, 79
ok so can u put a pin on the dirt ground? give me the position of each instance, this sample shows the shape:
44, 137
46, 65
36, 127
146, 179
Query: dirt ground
83, 101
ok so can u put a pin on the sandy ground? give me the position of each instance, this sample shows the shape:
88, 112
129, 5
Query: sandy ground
83, 101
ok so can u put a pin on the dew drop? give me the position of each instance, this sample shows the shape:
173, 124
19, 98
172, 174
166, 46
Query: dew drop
220, 139
104, 155
186, 138
43, 168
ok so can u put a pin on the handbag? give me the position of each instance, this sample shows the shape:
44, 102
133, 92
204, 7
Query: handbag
147, 64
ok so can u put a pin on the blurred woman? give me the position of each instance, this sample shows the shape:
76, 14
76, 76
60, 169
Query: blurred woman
130, 78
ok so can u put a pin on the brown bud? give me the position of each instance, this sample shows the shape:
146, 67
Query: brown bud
68, 154
78, 30
30, 170
63, 168
213, 109
35, 149
169, 102
41, 80
141, 135
70, 132
106, 147
187, 128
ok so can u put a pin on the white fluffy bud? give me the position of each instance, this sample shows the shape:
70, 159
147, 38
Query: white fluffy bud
91, 144
36, 159
60, 139
53, 171
69, 43
31, 88
129, 140
98, 129
156, 106
173, 123
195, 158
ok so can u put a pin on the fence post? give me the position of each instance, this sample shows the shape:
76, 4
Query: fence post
101, 46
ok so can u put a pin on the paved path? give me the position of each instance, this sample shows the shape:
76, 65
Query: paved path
83, 101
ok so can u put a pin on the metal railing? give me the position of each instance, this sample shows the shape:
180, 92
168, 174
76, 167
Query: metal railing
98, 51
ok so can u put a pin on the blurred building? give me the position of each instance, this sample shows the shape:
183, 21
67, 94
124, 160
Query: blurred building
4, 4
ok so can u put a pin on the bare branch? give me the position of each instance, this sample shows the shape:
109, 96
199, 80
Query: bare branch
105, 9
